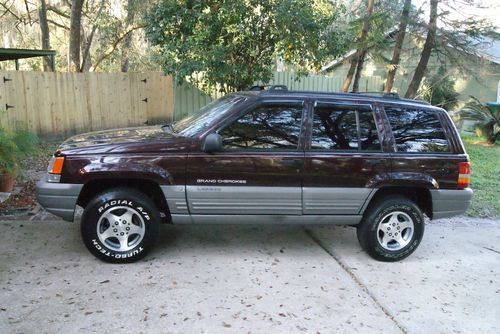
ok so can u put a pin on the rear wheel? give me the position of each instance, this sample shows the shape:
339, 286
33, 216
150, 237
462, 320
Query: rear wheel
391, 229
120, 225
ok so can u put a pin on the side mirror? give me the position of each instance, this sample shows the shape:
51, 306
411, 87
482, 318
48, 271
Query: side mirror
212, 143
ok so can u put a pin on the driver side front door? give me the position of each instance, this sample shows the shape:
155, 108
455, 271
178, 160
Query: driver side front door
258, 172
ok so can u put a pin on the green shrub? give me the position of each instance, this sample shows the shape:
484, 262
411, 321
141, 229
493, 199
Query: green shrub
16, 144
439, 90
488, 119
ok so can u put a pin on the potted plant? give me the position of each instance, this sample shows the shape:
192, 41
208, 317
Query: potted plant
14, 145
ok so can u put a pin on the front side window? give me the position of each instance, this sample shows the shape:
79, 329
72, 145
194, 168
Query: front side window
417, 130
266, 127
338, 127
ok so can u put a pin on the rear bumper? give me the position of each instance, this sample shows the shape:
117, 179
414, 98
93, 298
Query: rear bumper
448, 203
58, 198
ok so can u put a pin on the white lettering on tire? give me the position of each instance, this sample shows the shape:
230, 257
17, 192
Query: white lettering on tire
104, 251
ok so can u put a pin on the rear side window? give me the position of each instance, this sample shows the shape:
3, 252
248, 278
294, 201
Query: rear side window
347, 128
417, 130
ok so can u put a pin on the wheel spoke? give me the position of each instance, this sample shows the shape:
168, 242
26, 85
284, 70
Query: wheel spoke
134, 229
108, 233
111, 217
405, 224
400, 240
123, 239
393, 219
127, 216
386, 239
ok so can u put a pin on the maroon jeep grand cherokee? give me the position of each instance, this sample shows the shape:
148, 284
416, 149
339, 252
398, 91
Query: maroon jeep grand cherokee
271, 156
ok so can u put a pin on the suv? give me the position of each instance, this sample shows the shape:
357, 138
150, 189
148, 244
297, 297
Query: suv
268, 155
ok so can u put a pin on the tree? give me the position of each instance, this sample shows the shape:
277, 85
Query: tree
372, 27
44, 29
127, 42
74, 35
393, 66
102, 29
235, 43
426, 53
362, 52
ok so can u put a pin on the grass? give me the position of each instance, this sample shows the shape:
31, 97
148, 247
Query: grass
485, 176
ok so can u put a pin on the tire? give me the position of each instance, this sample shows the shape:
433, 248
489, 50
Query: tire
391, 229
120, 225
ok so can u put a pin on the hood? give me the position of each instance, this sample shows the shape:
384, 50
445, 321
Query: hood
136, 139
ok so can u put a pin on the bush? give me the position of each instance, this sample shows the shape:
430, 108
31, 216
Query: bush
15, 145
440, 91
488, 119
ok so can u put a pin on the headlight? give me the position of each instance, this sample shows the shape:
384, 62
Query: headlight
55, 169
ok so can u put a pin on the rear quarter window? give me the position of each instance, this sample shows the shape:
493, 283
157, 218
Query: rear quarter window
417, 130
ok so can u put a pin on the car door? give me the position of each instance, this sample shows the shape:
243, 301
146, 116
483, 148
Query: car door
343, 158
258, 171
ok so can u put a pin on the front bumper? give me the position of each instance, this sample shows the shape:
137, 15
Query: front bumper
58, 198
448, 203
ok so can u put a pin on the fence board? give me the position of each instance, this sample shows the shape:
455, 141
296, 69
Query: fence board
58, 104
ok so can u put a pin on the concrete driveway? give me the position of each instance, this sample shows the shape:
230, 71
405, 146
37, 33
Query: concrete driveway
251, 279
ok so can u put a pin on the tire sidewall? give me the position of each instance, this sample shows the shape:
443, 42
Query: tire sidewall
109, 200
373, 244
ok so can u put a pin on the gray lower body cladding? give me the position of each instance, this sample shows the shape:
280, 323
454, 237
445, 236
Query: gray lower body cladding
286, 205
58, 198
267, 219
448, 202
279, 205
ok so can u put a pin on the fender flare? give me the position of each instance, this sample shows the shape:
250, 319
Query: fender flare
403, 179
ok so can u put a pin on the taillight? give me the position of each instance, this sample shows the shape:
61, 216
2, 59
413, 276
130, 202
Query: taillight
463, 175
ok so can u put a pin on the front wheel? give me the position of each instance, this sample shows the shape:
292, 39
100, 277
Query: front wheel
120, 225
391, 229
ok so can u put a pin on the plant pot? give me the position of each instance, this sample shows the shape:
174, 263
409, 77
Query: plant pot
6, 182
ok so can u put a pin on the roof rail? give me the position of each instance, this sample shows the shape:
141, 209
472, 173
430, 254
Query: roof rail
390, 95
382, 95
270, 88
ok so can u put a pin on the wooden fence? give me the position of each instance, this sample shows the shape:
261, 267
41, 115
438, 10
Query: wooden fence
57, 104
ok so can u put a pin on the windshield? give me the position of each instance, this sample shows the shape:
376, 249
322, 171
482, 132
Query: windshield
196, 123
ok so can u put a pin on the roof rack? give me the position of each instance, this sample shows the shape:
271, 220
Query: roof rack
270, 88
380, 95
390, 95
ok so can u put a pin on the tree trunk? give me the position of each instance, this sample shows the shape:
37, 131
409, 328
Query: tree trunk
391, 74
350, 73
44, 27
74, 35
362, 51
359, 68
127, 42
426, 53
87, 42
